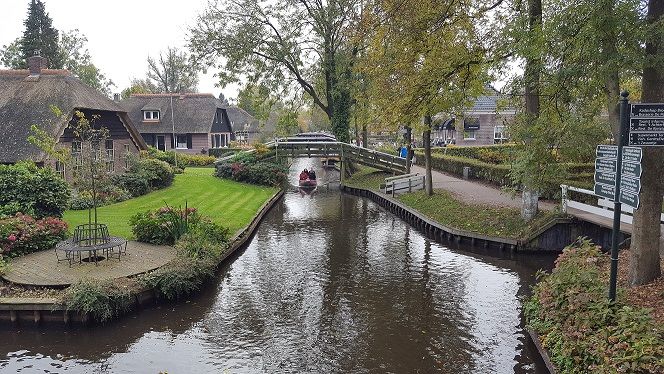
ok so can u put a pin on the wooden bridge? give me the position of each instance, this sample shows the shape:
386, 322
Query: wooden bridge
316, 147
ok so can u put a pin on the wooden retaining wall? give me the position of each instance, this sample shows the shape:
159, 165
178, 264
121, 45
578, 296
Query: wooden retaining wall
432, 229
43, 311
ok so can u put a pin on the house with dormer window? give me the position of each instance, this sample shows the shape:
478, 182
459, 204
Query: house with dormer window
187, 123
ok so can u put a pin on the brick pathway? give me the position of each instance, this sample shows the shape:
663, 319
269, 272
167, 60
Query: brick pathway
42, 268
474, 192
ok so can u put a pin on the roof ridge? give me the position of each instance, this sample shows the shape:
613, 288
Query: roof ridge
189, 94
26, 72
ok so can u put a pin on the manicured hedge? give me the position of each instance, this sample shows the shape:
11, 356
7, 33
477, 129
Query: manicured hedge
219, 152
580, 175
495, 154
183, 159
580, 328
492, 173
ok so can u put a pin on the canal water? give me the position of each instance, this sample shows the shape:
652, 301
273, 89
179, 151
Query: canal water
331, 283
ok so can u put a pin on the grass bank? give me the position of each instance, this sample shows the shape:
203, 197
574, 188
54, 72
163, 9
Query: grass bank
228, 203
445, 208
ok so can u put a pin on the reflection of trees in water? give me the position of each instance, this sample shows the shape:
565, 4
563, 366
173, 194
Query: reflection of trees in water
343, 286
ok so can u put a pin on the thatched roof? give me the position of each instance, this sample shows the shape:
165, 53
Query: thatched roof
241, 120
192, 112
26, 100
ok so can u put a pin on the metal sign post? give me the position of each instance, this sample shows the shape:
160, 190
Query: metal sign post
617, 205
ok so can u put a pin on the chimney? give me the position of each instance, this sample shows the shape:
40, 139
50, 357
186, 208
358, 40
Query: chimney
36, 63
116, 97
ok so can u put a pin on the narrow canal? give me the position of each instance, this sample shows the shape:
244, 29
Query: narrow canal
329, 284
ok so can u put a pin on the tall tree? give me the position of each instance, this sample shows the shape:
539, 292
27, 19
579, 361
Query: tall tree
305, 42
173, 72
646, 236
139, 86
422, 58
40, 36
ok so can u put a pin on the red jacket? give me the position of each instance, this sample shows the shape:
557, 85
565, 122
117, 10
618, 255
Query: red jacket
304, 176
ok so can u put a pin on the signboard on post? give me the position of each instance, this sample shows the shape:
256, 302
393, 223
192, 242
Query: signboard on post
646, 124
606, 167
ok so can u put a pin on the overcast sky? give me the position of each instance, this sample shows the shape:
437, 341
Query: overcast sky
121, 33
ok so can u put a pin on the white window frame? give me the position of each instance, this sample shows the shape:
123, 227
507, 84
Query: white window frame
151, 115
469, 134
219, 140
126, 156
177, 141
60, 168
503, 136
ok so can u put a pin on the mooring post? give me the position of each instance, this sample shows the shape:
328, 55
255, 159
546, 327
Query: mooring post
617, 206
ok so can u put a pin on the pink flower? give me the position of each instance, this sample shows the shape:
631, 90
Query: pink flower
12, 238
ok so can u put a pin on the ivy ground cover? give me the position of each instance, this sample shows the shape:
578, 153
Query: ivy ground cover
230, 204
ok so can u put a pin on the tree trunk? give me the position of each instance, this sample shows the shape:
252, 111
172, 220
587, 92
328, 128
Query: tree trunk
529, 207
428, 183
644, 265
365, 141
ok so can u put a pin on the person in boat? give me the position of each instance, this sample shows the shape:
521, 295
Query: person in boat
312, 175
304, 175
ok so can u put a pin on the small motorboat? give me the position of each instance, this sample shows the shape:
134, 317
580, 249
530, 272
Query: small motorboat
308, 183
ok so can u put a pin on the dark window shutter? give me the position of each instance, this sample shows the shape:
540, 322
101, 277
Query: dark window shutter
188, 141
172, 141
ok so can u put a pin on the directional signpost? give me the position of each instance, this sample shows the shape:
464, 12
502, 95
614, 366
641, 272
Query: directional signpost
606, 167
646, 125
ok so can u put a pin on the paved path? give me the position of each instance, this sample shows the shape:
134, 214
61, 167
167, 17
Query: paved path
474, 192
42, 268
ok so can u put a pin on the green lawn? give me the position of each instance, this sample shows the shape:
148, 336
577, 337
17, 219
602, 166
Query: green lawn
229, 203
444, 208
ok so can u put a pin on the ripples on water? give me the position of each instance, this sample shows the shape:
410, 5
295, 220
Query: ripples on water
329, 284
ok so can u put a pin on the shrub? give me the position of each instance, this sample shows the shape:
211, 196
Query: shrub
101, 300
108, 194
183, 159
22, 234
164, 225
245, 168
496, 174
32, 190
180, 277
581, 329
158, 174
134, 183
496, 154
220, 152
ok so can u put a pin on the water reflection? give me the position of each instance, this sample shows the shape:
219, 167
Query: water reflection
329, 284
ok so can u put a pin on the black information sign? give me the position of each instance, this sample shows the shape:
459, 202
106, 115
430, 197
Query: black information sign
646, 125
630, 198
632, 154
606, 165
653, 110
631, 169
607, 151
632, 184
646, 138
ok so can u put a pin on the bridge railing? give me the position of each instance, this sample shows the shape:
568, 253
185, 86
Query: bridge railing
604, 207
406, 182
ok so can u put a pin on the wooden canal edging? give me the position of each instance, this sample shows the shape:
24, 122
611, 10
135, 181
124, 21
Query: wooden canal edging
534, 336
432, 228
38, 311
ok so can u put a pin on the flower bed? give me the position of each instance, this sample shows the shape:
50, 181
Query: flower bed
582, 331
22, 234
